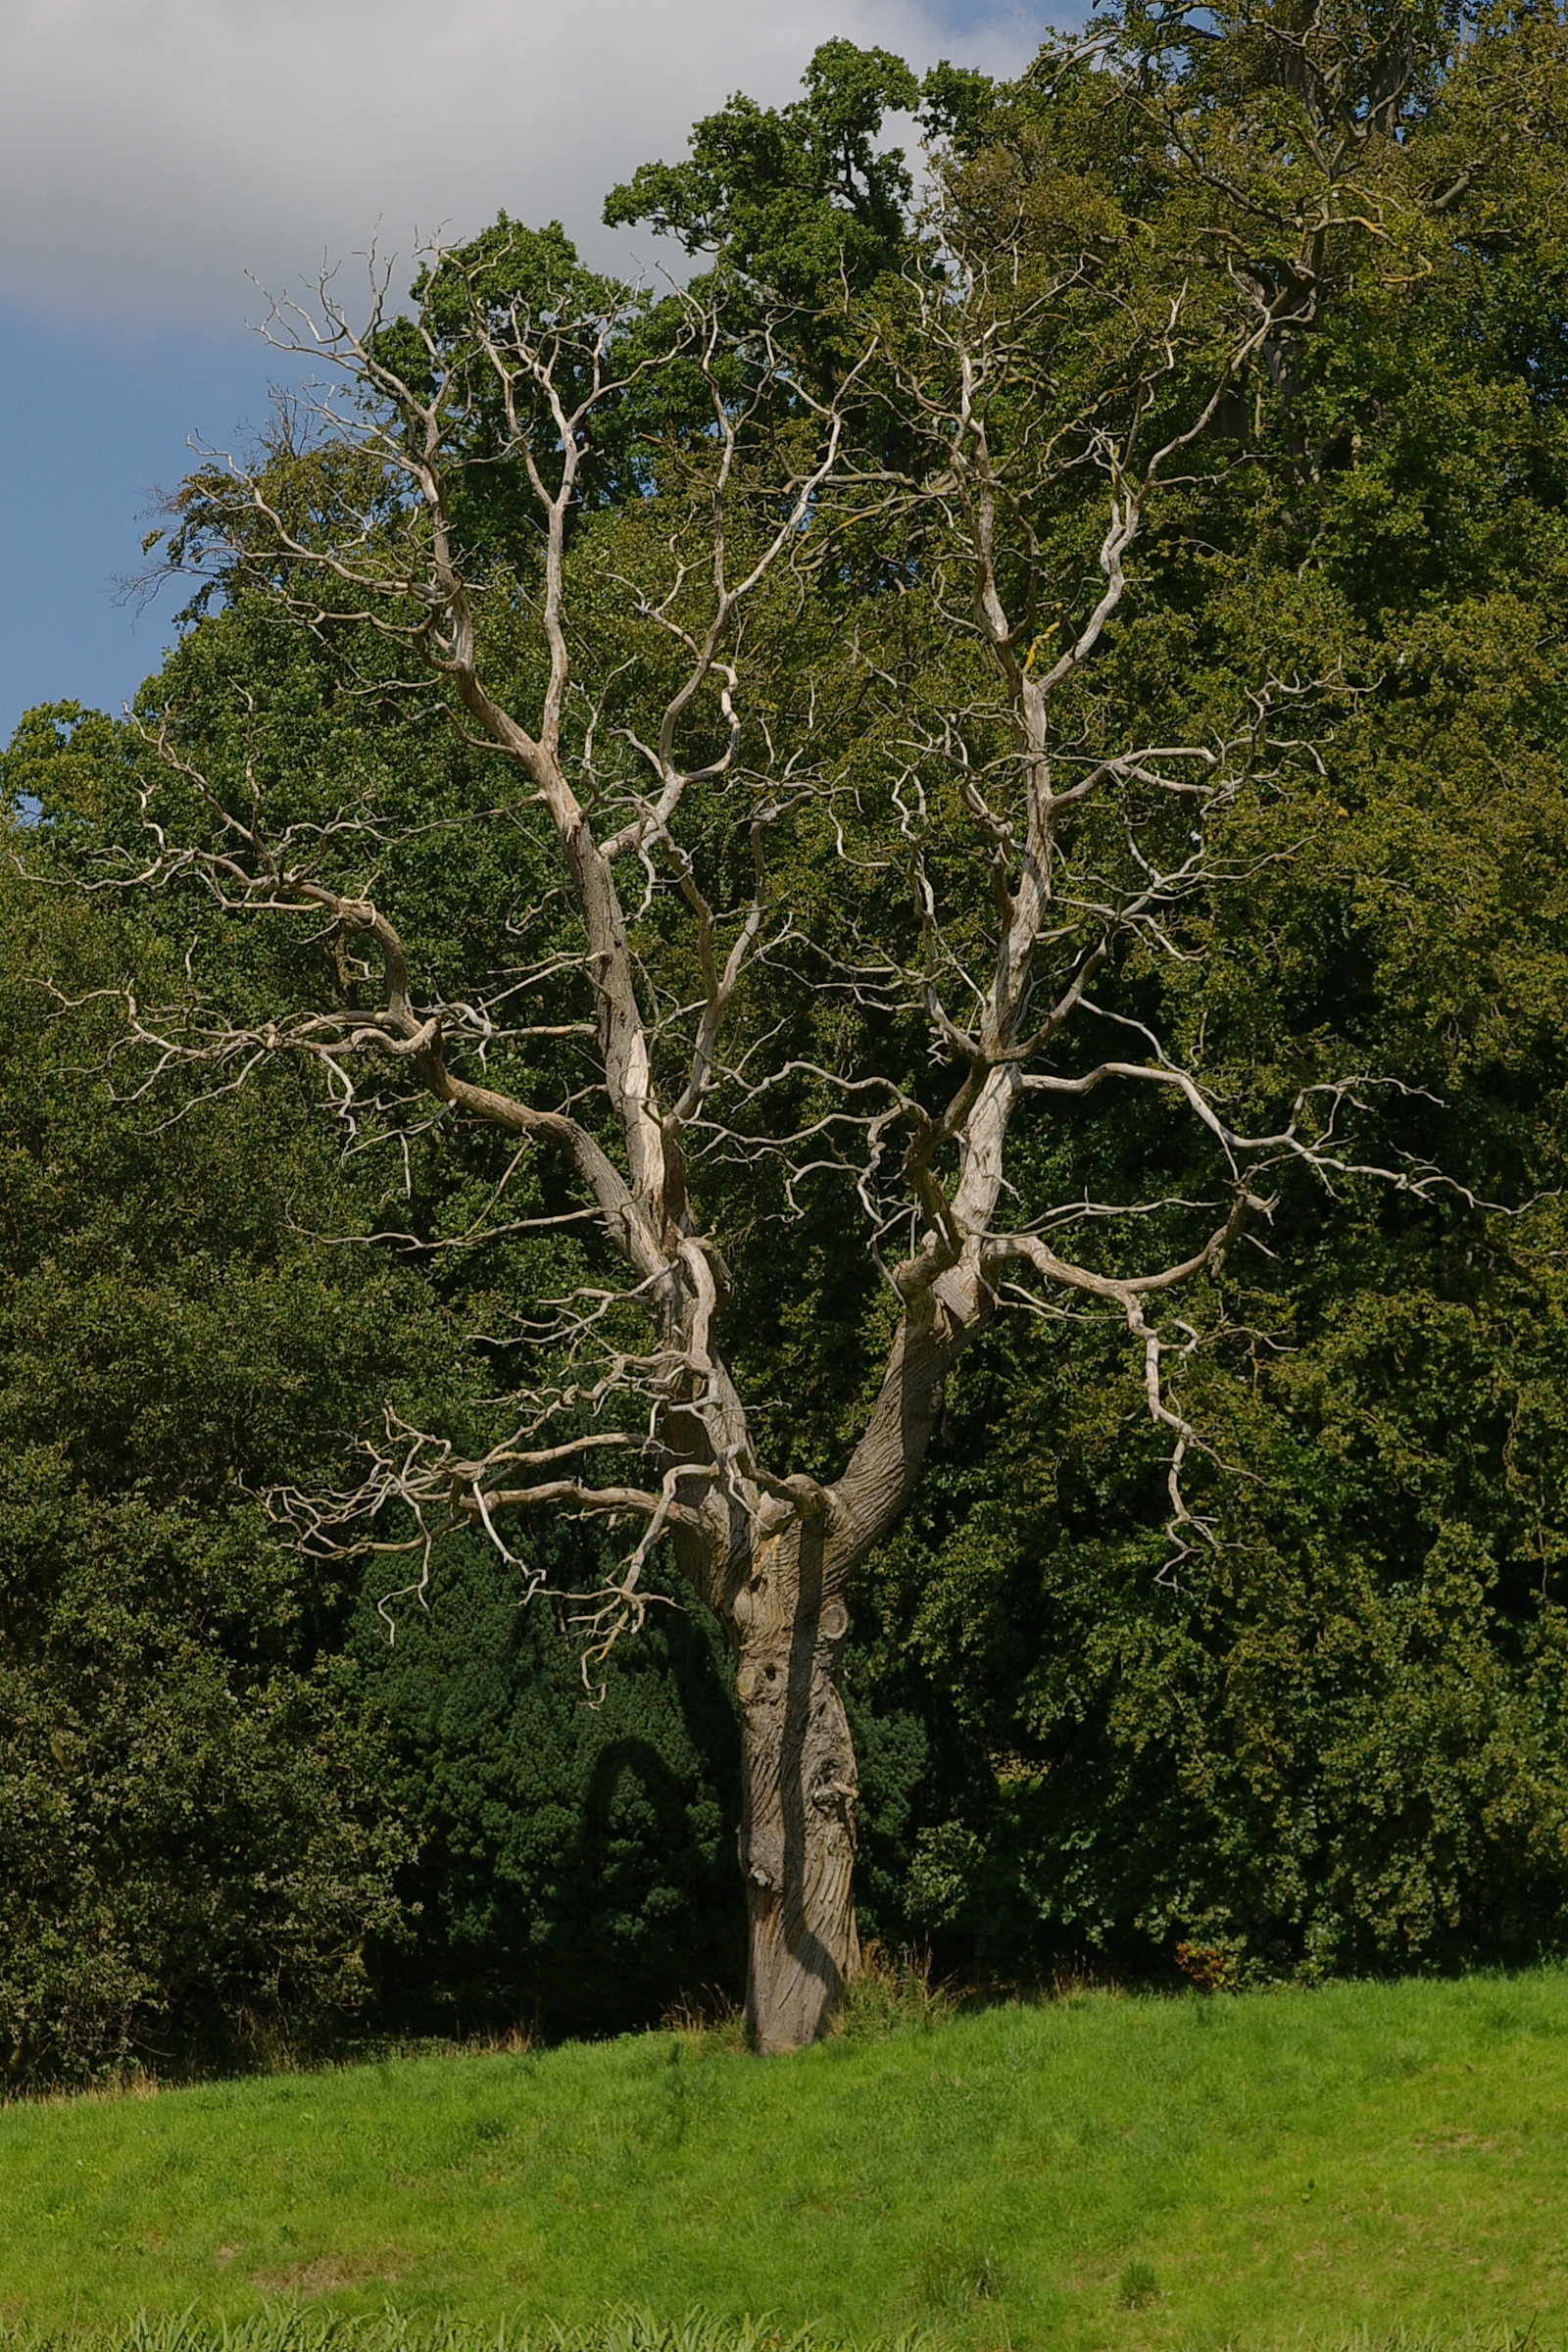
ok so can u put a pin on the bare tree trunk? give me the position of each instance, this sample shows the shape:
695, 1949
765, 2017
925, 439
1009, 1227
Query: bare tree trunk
789, 1622
797, 1842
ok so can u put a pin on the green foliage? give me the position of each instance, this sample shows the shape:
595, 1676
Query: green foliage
792, 195
1328, 1739
192, 1846
215, 1775
576, 1864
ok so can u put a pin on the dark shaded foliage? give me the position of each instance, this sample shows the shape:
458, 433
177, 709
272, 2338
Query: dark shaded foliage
576, 1869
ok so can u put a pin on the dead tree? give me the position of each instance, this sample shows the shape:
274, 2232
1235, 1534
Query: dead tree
1012, 922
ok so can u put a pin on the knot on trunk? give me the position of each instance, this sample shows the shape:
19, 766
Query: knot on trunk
835, 1796
760, 1681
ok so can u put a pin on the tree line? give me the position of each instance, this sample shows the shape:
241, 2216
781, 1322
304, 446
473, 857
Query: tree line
784, 1135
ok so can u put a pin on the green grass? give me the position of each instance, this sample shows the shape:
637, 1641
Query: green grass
299, 2327
1093, 2174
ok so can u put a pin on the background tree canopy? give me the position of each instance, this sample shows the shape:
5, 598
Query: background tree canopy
1329, 1740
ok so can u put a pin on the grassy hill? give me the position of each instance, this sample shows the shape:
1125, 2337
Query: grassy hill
1091, 2175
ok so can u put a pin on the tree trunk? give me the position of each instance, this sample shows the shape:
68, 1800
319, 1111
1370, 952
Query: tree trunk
797, 1842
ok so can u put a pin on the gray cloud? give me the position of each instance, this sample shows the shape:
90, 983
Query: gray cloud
153, 151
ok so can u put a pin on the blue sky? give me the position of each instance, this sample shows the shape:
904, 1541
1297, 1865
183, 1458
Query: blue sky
152, 152
95, 418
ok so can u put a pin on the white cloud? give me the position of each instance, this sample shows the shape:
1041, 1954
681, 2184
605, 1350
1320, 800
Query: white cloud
153, 151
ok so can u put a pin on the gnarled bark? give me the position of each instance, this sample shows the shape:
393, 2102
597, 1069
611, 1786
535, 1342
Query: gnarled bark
797, 1828
789, 1621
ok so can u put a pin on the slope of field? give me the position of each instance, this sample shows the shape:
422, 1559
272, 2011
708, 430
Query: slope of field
1091, 2175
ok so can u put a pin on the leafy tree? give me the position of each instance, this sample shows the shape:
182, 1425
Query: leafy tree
193, 1847
798, 197
1336, 1745
229, 1814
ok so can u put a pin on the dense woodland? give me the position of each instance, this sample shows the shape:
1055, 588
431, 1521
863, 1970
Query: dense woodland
1315, 1722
